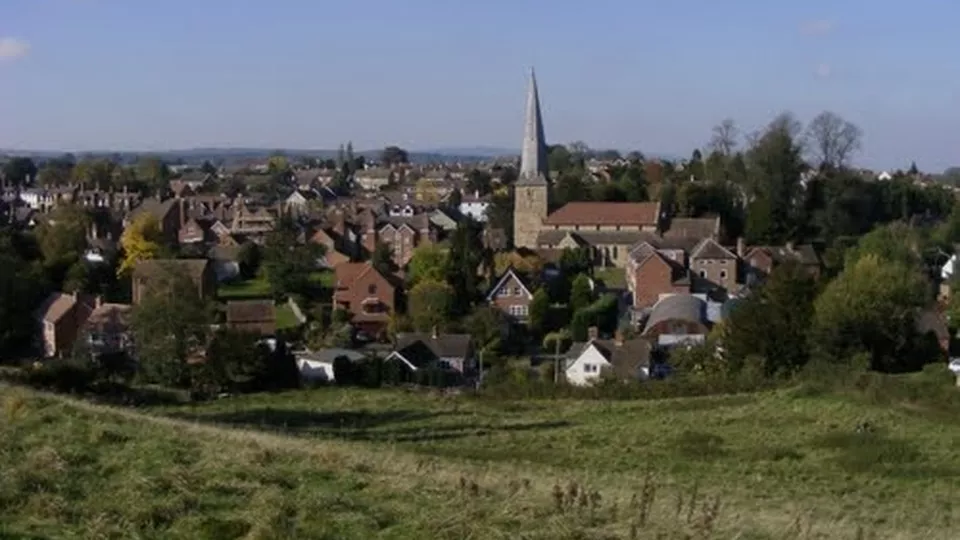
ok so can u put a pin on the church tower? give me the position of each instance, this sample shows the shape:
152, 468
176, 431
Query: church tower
531, 191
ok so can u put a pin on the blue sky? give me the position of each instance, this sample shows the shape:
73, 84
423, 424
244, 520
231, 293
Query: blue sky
629, 74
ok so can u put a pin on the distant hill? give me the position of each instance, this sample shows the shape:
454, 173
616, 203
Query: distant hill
233, 155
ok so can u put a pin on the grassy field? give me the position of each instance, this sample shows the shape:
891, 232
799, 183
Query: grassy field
245, 289
346, 463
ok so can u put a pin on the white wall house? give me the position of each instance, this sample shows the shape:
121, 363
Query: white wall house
476, 209
585, 368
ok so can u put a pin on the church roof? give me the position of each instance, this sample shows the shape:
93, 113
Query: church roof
606, 213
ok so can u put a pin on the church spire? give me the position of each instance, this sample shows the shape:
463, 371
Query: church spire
533, 158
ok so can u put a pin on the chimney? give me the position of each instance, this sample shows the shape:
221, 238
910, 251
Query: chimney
790, 245
592, 333
435, 333
183, 214
741, 247
618, 338
97, 301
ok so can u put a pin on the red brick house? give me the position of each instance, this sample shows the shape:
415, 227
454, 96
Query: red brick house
61, 316
333, 256
404, 234
369, 296
651, 273
511, 295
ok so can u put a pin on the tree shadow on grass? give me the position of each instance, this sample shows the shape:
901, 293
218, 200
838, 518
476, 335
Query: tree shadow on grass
362, 425
876, 452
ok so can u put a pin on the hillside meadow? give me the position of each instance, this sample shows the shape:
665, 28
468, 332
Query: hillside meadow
351, 463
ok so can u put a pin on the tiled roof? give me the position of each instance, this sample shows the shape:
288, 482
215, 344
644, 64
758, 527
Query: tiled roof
698, 228
605, 213
626, 358
250, 311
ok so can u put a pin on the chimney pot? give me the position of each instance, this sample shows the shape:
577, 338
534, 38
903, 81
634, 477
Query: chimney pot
618, 338
741, 247
593, 332
790, 246
436, 333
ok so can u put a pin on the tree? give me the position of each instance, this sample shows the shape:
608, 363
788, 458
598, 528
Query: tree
208, 168
871, 308
249, 258
559, 158
382, 258
95, 172
581, 294
393, 155
153, 172
772, 323
479, 182
455, 198
463, 262
579, 149
528, 264
774, 167
429, 262
913, 171
287, 263
19, 171
724, 139
63, 237
539, 310
430, 304
170, 325
278, 163
234, 362
351, 161
140, 241
21, 286
53, 174
896, 242
833, 139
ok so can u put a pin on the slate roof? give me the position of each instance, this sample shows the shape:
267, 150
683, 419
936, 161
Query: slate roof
708, 248
425, 347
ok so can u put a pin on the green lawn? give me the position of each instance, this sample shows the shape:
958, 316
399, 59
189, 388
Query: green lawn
285, 317
238, 290
612, 277
348, 463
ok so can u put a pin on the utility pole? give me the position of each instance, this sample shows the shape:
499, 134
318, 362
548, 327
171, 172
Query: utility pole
556, 361
480, 370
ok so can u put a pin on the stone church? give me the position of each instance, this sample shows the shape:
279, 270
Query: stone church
609, 229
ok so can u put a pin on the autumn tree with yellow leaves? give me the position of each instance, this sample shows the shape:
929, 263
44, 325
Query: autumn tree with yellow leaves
141, 241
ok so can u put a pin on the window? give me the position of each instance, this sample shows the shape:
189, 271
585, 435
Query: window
615, 250
723, 274
516, 291
372, 289
518, 311
590, 368
703, 273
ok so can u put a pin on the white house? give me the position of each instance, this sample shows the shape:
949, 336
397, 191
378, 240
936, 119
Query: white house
317, 366
475, 206
884, 176
625, 359
946, 271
